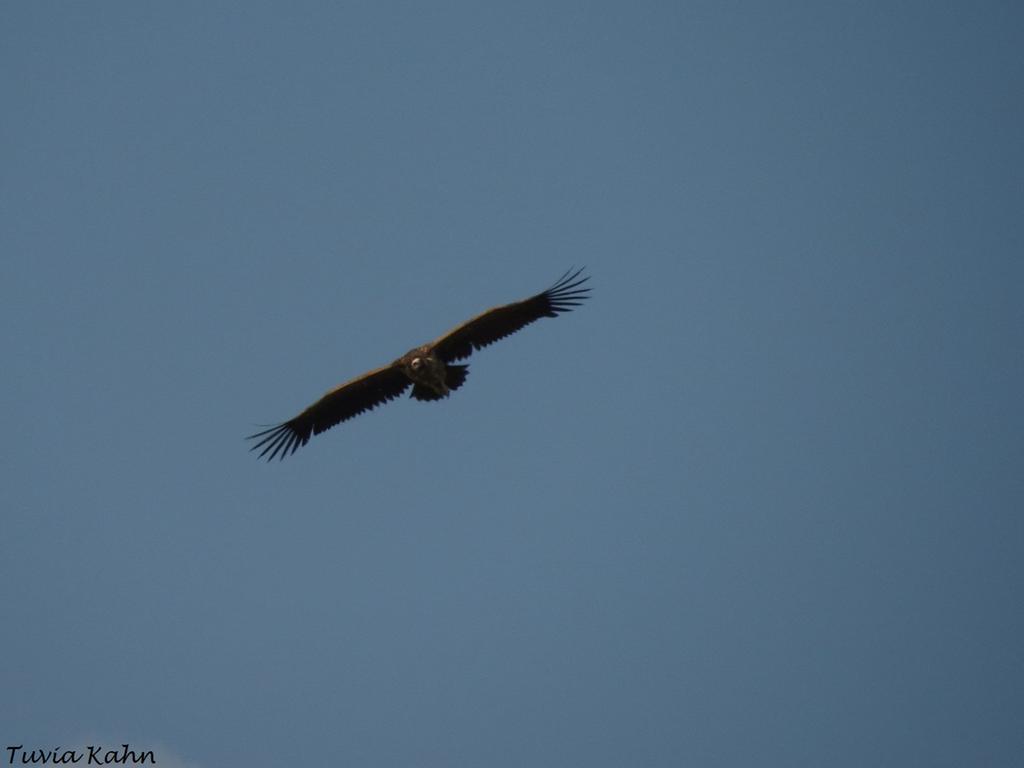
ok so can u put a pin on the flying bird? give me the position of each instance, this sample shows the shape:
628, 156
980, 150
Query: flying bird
430, 369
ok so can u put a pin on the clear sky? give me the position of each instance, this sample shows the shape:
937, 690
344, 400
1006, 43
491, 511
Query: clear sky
758, 503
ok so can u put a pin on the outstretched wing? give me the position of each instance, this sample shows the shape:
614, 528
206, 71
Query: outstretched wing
341, 403
499, 322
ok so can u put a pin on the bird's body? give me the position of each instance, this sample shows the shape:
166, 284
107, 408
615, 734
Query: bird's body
426, 371
431, 368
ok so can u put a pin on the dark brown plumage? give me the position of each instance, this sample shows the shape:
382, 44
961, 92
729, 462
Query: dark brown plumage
428, 368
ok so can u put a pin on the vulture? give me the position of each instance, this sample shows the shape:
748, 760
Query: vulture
430, 369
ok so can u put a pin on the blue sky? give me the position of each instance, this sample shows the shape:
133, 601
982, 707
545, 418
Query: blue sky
757, 503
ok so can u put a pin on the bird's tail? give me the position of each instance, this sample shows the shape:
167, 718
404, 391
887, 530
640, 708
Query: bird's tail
456, 375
